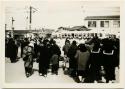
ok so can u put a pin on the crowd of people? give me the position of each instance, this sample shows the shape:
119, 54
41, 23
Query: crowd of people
88, 62
93, 60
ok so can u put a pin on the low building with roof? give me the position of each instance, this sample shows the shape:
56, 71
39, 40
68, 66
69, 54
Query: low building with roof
29, 33
102, 26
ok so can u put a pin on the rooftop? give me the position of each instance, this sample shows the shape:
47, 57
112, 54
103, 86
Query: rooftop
75, 28
116, 17
31, 31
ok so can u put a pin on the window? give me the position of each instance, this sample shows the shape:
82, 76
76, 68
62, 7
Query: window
92, 34
116, 23
91, 23
104, 24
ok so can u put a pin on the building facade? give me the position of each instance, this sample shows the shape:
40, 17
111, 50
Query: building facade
104, 24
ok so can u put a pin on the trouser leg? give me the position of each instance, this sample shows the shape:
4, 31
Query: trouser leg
55, 68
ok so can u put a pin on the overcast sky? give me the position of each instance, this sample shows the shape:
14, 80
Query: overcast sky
53, 14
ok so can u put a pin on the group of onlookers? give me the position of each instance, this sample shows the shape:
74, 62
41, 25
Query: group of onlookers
45, 52
93, 60
89, 61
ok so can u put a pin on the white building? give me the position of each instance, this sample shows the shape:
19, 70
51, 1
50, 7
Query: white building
104, 24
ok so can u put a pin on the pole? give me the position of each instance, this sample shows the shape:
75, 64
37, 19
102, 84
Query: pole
5, 27
12, 33
30, 20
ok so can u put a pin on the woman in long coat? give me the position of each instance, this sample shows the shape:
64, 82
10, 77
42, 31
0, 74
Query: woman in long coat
108, 59
12, 50
95, 63
44, 58
82, 57
72, 61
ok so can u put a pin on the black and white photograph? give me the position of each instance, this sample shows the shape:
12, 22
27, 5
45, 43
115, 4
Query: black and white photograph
62, 42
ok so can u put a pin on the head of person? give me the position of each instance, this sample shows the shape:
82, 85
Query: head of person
25, 39
11, 41
45, 42
96, 36
51, 41
31, 44
32, 40
67, 42
82, 48
113, 36
74, 42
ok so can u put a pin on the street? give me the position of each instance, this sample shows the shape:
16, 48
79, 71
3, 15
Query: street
15, 73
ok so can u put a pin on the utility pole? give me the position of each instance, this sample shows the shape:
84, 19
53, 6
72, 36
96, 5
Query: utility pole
32, 10
12, 33
30, 19
5, 27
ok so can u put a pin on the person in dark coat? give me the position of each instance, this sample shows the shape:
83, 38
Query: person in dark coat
44, 58
55, 57
6, 47
72, 61
66, 47
12, 50
95, 62
36, 48
117, 50
108, 59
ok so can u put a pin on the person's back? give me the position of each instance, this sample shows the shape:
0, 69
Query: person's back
108, 45
82, 59
72, 50
56, 50
108, 58
66, 48
72, 61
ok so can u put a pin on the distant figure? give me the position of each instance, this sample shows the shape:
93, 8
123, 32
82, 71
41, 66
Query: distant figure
82, 56
66, 47
55, 58
65, 50
72, 61
6, 47
12, 50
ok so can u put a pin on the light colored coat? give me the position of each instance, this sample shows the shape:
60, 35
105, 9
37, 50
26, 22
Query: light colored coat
82, 58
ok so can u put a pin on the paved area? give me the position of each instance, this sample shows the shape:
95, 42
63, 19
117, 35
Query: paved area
15, 73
